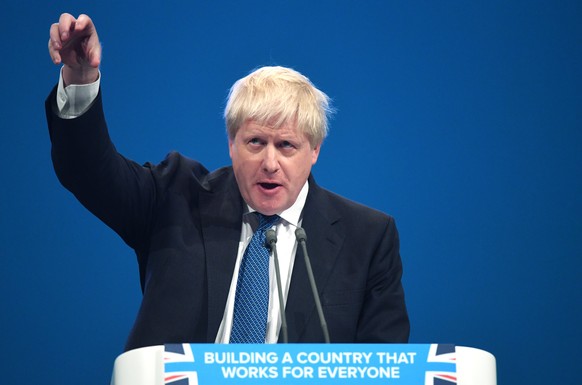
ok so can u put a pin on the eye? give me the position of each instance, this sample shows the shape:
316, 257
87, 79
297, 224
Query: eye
286, 144
255, 141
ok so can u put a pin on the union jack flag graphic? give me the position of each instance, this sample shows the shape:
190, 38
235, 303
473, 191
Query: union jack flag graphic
441, 365
179, 365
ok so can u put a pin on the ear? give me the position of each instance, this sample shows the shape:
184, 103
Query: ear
315, 154
230, 144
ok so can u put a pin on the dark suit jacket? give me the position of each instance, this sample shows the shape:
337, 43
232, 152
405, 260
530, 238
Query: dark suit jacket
184, 224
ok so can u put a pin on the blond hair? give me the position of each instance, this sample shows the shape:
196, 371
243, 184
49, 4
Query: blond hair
276, 96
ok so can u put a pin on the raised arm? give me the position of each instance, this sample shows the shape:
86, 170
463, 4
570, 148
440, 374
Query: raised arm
74, 43
117, 190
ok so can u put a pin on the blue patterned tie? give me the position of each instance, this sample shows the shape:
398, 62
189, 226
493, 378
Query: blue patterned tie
251, 302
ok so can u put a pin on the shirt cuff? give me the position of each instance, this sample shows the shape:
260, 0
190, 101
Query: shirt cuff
73, 100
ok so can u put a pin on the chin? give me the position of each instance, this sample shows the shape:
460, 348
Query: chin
270, 209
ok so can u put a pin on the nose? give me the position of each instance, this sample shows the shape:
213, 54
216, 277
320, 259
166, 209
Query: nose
270, 160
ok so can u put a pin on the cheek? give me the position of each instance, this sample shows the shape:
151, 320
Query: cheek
244, 168
298, 171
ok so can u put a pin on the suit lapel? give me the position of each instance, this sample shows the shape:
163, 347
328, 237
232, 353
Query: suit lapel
325, 236
221, 218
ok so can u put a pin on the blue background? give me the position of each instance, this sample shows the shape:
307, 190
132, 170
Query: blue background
461, 119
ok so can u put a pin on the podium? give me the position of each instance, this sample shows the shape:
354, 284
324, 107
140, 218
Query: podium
215, 364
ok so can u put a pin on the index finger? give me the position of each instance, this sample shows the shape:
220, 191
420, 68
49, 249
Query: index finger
65, 26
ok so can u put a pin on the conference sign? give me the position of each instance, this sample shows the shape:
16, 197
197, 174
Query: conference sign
398, 364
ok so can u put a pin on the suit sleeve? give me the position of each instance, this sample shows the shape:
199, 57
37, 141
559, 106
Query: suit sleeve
118, 191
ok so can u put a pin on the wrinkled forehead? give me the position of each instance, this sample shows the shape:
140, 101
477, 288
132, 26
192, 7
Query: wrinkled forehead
288, 129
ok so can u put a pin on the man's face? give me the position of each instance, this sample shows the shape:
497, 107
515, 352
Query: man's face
271, 165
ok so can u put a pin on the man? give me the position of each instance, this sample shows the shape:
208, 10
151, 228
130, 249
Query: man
190, 228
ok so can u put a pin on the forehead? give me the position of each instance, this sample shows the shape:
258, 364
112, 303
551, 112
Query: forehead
252, 127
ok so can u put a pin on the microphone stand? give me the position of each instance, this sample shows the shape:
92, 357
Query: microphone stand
302, 239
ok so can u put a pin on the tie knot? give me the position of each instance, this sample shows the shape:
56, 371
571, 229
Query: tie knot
266, 221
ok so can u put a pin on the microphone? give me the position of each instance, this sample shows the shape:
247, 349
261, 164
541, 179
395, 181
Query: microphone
302, 239
271, 240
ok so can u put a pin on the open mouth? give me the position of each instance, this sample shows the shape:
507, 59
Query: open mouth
269, 186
